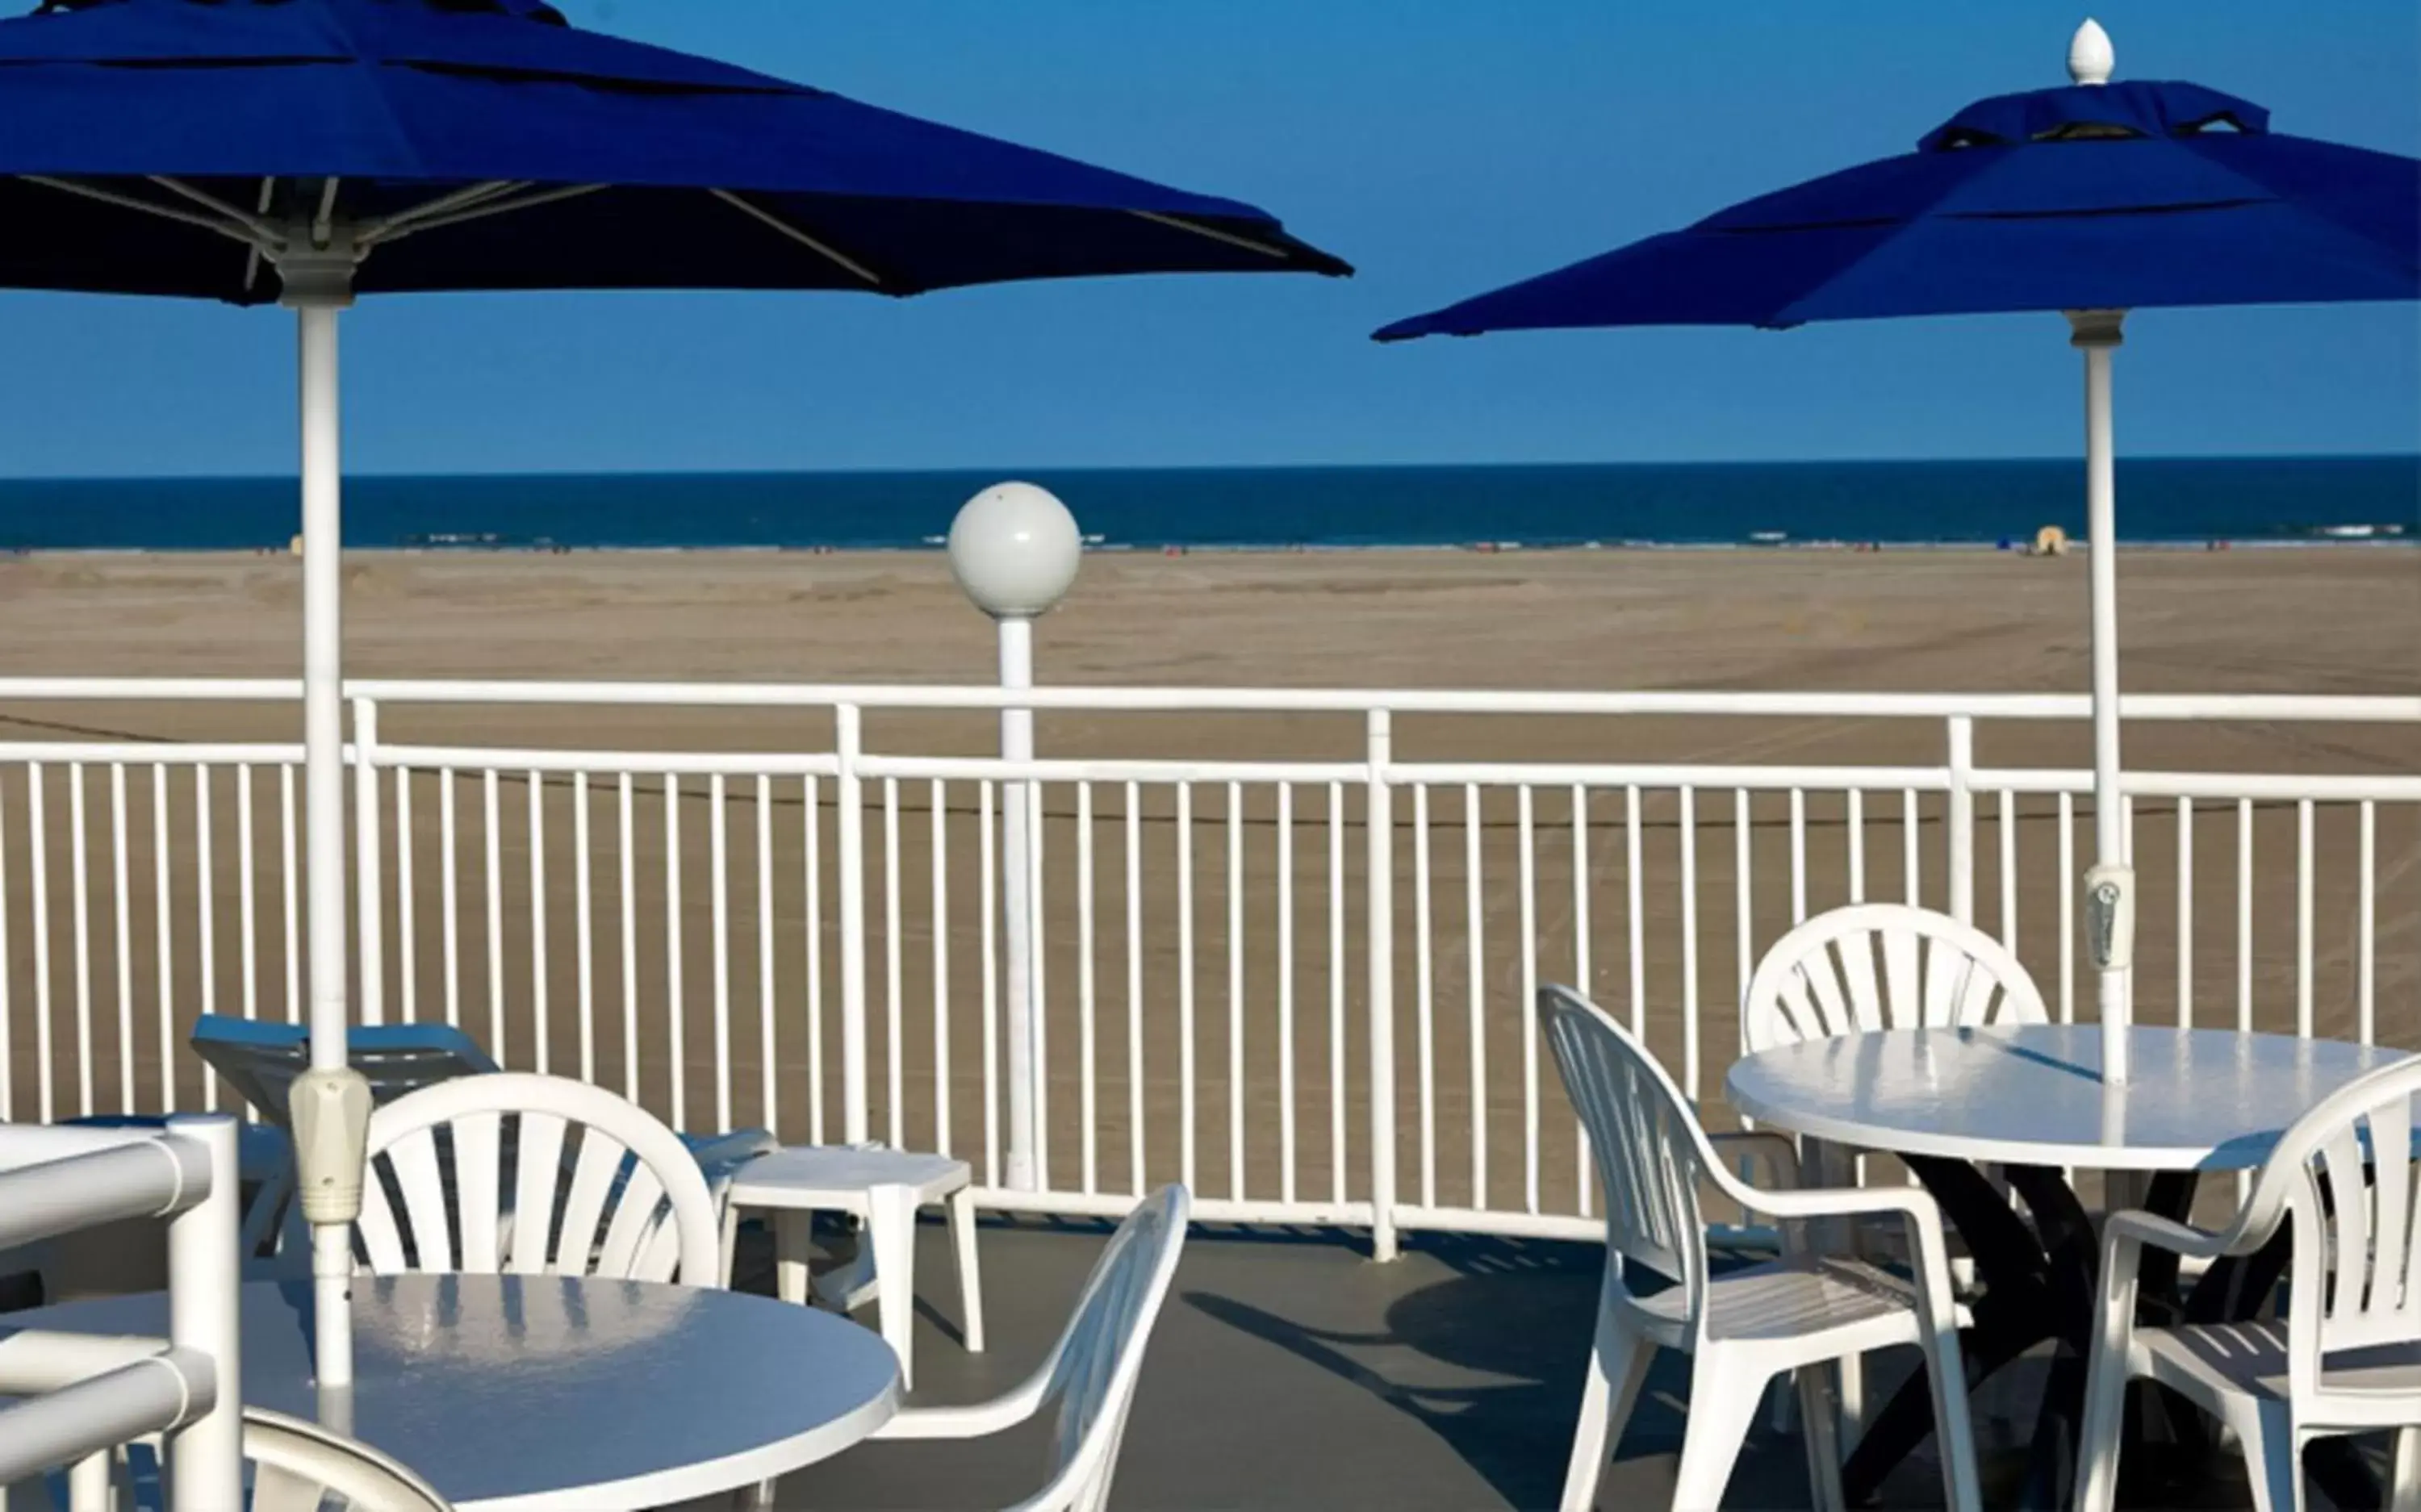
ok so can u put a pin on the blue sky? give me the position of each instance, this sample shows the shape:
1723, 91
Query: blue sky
1444, 146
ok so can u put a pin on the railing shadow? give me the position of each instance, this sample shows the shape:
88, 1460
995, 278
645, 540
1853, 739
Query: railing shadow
1490, 1361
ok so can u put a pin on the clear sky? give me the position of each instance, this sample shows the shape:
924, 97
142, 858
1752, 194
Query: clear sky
1443, 146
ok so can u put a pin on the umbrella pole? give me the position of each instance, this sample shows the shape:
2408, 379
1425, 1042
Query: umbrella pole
330, 1103
2110, 886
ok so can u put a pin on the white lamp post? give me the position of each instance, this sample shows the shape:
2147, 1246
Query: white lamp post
1014, 549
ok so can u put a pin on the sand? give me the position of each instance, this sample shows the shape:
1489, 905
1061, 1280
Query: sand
2302, 621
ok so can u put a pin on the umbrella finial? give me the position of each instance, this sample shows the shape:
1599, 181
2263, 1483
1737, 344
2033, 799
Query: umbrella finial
2090, 58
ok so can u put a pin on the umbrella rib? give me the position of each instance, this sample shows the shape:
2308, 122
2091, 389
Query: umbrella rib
443, 204
478, 212
233, 231
844, 262
260, 229
1181, 224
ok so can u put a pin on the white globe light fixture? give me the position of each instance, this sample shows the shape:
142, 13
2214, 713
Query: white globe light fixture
1015, 548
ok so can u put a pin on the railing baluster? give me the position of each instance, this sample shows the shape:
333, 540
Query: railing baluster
1582, 975
677, 1037
1088, 1091
1424, 991
1913, 872
1689, 800
9, 972
988, 872
1040, 959
2244, 915
627, 860
2069, 880
1185, 1135
719, 896
124, 937
811, 886
2008, 816
1379, 870
1798, 861
894, 1050
248, 940
37, 822
541, 1036
1855, 822
407, 902
1286, 993
164, 934
1475, 981
2185, 912
1134, 988
2365, 955
583, 923
1744, 901
491, 834
2303, 938
1235, 990
1527, 841
289, 890
1636, 886
81, 911
938, 802
1336, 1151
449, 886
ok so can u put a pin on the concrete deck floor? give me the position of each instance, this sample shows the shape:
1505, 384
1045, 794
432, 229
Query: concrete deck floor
1289, 1371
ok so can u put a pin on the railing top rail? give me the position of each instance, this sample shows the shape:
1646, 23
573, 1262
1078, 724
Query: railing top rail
2392, 709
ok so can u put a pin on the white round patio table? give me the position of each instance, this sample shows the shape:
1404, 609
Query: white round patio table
2030, 1099
555, 1393
2195, 1100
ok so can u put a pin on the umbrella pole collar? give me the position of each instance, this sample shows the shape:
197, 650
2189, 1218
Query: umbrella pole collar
319, 277
2091, 329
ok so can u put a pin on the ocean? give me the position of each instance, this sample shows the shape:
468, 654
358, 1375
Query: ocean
2183, 501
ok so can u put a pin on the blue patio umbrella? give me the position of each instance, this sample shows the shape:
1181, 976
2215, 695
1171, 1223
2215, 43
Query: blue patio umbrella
309, 151
2090, 200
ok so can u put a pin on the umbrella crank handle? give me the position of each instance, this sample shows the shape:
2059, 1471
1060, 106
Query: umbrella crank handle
2110, 917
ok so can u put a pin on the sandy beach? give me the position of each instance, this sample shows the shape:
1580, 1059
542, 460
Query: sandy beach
2299, 621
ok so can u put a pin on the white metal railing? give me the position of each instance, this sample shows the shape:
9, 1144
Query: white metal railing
83, 1395
1302, 984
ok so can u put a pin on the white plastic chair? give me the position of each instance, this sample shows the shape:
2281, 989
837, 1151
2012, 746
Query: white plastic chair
630, 1204
295, 1467
1744, 1327
2347, 1357
1090, 1374
1884, 966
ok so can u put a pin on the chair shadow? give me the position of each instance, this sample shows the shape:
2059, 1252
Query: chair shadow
1510, 1331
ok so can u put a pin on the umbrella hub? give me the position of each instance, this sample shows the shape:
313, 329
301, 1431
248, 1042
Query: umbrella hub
317, 270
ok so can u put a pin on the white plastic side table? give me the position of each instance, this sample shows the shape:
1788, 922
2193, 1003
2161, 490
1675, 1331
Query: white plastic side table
884, 1188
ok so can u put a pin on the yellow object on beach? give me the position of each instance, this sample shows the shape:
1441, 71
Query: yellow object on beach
2051, 542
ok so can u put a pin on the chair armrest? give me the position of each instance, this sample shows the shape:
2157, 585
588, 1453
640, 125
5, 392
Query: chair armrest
2165, 1233
1779, 1152
974, 1421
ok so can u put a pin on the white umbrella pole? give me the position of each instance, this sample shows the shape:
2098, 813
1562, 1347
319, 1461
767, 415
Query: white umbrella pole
2110, 886
330, 1104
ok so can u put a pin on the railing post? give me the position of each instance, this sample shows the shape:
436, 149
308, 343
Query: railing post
1961, 820
1381, 883
851, 820
205, 1282
368, 891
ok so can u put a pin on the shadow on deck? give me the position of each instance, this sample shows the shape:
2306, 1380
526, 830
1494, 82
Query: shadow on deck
1290, 1371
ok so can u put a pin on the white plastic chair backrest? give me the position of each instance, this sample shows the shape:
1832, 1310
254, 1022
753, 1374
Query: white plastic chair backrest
1884, 966
1099, 1358
298, 1466
533, 1173
1648, 1144
2357, 1276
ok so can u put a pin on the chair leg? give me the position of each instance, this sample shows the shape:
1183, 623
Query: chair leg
730, 1243
793, 1238
891, 1229
1722, 1402
2098, 1437
1954, 1431
2404, 1489
2274, 1461
1618, 1363
1822, 1438
962, 1238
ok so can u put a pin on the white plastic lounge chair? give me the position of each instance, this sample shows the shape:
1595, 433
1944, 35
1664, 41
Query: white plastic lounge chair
295, 1467
625, 1198
2346, 1358
1090, 1374
1742, 1327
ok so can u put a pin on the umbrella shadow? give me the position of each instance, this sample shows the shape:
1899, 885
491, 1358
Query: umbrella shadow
1490, 1360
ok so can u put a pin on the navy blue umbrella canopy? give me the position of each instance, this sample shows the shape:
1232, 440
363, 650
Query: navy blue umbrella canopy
2094, 197
487, 144
2089, 200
